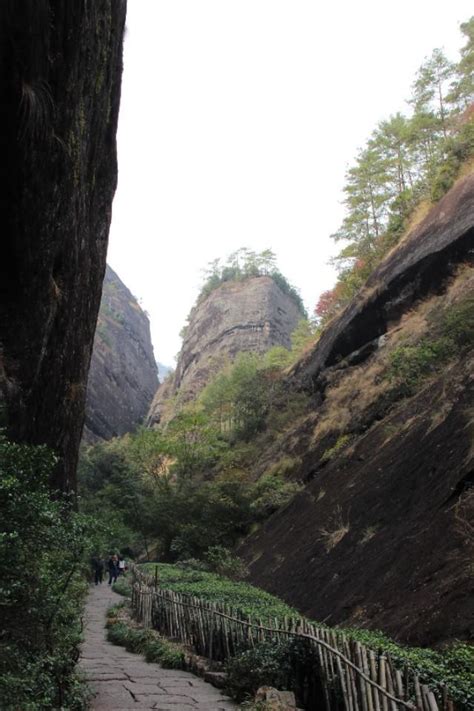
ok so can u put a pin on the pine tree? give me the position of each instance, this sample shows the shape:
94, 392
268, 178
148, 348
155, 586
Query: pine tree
367, 192
431, 87
462, 88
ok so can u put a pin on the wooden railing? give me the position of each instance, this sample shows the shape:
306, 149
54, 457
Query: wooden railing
345, 674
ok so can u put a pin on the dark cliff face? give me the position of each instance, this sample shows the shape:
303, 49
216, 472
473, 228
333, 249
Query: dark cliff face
239, 316
61, 63
417, 267
123, 374
379, 535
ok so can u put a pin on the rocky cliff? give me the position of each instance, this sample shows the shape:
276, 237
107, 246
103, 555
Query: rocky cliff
60, 73
380, 535
239, 316
123, 376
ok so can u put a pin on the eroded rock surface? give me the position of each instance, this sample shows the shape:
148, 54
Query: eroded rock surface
379, 535
123, 377
239, 316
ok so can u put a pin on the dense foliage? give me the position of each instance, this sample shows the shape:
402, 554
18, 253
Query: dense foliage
43, 545
183, 513
408, 161
187, 488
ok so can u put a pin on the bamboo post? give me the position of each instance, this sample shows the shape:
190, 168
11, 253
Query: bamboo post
362, 684
345, 694
217, 630
350, 675
368, 688
383, 681
418, 696
444, 693
432, 701
399, 683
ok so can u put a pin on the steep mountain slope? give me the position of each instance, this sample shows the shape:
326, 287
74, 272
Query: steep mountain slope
379, 536
239, 316
123, 376
60, 74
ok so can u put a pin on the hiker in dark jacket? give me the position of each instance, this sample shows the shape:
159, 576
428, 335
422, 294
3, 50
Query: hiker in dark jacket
113, 568
98, 568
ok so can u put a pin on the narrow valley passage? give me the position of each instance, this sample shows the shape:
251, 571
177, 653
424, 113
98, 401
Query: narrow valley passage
122, 680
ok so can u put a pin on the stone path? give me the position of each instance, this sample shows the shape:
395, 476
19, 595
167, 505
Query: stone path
122, 680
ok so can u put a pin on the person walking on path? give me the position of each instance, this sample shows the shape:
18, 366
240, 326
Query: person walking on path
113, 568
122, 566
98, 569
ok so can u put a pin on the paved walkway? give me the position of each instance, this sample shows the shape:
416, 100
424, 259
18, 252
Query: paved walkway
122, 680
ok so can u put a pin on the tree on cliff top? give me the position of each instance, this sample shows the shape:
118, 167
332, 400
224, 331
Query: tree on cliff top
407, 160
244, 264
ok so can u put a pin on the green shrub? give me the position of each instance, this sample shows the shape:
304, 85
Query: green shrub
154, 650
144, 641
459, 148
221, 561
452, 332
43, 546
457, 323
266, 664
134, 639
115, 609
409, 365
333, 451
172, 656
137, 640
272, 491
117, 634
123, 586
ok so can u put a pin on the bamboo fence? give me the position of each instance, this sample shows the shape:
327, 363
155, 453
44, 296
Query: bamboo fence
336, 672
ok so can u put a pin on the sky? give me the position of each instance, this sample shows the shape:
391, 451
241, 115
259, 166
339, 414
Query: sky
238, 120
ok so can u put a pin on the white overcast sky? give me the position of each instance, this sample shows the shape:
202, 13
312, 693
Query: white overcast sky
238, 120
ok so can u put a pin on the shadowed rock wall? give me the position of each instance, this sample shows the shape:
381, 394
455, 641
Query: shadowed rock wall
60, 73
123, 376
379, 537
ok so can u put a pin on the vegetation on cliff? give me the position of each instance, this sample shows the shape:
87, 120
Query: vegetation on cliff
241, 265
245, 264
201, 481
408, 163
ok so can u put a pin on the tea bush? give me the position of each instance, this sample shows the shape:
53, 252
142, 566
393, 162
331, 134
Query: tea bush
247, 599
452, 666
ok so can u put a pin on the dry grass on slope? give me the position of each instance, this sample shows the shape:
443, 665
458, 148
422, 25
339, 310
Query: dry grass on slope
354, 392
